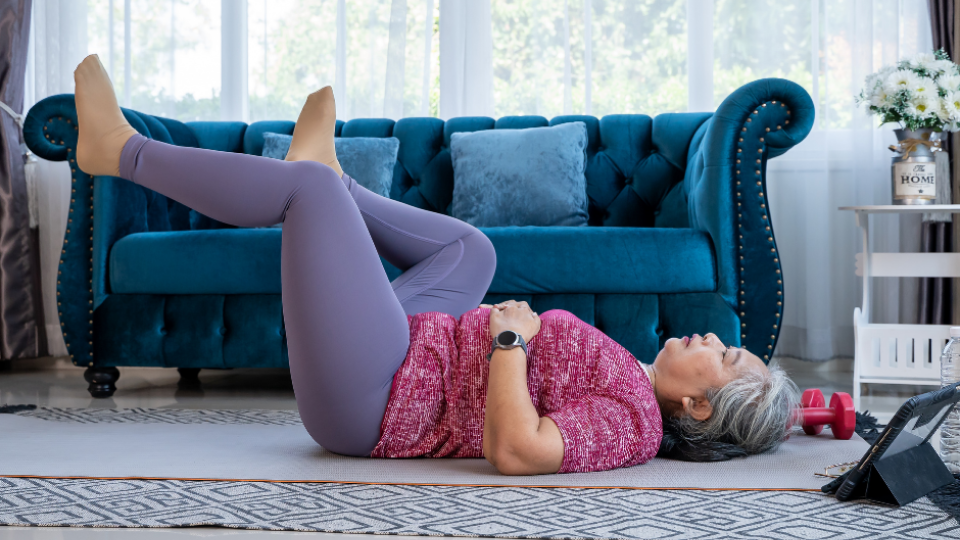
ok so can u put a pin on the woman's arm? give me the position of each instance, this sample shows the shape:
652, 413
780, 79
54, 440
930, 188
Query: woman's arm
516, 440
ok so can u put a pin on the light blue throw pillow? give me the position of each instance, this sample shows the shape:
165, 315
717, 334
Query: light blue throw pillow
518, 177
368, 160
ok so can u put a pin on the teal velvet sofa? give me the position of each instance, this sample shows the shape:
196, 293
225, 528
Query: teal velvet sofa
679, 237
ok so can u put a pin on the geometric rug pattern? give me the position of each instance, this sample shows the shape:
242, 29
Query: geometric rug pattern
502, 512
463, 511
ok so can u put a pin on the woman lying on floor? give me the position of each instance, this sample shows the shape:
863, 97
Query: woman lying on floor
401, 369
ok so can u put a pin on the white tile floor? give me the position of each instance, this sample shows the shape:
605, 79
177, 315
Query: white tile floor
54, 382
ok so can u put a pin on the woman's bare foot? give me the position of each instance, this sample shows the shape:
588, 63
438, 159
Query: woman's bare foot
315, 129
103, 129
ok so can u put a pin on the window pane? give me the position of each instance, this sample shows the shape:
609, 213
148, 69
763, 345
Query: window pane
753, 39
174, 55
637, 64
293, 52
639, 56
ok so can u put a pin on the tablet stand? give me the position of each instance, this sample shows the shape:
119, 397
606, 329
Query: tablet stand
905, 477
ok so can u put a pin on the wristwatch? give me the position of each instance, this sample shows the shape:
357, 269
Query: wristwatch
508, 339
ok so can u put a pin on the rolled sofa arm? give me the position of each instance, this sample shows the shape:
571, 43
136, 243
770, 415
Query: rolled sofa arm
102, 210
726, 182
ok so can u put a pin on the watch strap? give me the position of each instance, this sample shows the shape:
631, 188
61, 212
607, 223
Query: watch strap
496, 344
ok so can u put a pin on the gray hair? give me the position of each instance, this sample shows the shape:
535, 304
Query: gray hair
751, 415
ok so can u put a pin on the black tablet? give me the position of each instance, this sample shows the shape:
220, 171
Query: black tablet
912, 426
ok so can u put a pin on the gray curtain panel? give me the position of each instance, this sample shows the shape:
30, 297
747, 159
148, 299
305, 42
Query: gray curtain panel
936, 294
21, 309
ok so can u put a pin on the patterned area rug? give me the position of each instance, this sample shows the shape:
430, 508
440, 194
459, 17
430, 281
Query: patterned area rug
504, 512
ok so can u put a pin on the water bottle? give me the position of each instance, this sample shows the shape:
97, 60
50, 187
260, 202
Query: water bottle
950, 429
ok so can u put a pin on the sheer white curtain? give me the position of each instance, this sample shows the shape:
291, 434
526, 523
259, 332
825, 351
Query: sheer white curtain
57, 44
844, 162
466, 59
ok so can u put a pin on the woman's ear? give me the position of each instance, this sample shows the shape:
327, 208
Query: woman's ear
698, 409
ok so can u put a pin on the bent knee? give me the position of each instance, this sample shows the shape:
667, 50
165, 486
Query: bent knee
317, 186
312, 172
480, 248
480, 257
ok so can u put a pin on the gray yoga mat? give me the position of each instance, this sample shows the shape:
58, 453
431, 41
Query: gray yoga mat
36, 447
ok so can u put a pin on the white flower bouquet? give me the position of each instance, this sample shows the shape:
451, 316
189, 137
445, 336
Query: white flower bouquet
920, 92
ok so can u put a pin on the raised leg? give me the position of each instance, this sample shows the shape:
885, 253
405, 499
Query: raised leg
103, 381
346, 332
448, 264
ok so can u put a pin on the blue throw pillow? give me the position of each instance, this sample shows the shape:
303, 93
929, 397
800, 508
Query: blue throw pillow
532, 176
369, 160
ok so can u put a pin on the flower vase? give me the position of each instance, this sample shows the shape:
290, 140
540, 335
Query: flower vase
914, 171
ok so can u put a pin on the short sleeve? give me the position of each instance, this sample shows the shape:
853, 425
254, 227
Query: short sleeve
607, 432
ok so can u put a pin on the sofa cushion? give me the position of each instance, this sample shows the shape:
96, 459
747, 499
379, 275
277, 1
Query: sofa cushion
506, 177
532, 260
217, 261
368, 160
535, 260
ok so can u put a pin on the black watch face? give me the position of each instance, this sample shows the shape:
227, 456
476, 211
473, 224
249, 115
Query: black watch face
507, 337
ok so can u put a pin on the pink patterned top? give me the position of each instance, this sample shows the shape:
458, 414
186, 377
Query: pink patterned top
597, 393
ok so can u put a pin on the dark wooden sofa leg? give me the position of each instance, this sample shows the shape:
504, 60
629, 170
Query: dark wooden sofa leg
103, 381
189, 377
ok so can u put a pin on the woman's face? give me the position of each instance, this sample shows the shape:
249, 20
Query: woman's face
687, 367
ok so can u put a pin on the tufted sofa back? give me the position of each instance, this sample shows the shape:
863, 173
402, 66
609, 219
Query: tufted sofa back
635, 163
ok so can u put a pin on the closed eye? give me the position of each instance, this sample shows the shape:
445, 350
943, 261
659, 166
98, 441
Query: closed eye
736, 356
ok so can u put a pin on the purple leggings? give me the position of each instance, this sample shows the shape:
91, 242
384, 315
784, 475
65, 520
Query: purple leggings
346, 323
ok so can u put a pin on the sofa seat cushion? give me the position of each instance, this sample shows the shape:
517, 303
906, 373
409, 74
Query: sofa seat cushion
537, 260
216, 261
530, 260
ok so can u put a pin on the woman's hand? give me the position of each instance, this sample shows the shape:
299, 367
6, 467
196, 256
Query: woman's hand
513, 315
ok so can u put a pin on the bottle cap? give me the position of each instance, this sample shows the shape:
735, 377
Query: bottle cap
955, 331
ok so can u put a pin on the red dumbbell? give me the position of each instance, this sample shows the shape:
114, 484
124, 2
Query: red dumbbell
841, 416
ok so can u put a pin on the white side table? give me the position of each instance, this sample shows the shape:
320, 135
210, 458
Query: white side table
898, 353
